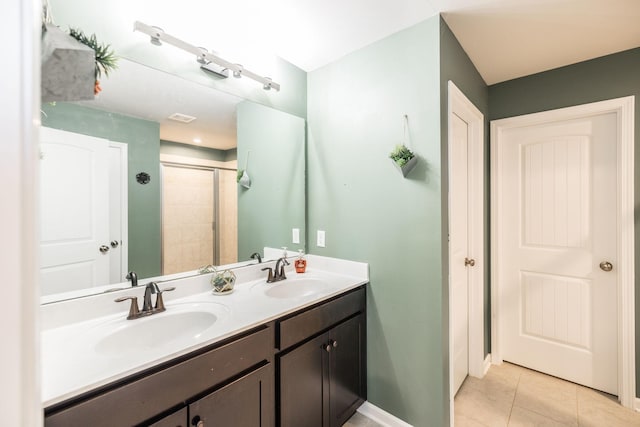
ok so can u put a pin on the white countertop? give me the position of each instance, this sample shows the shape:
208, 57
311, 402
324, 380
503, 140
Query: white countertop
74, 359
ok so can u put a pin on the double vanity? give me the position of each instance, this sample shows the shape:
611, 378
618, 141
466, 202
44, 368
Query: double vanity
290, 353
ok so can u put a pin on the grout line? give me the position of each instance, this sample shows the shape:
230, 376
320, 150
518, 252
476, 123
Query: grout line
514, 398
577, 408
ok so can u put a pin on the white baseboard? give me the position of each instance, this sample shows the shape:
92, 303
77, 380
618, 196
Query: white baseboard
637, 405
487, 364
380, 416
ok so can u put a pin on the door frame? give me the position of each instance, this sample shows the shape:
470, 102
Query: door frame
123, 150
624, 110
462, 107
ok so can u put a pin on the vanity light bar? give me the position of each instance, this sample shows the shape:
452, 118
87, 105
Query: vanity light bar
158, 35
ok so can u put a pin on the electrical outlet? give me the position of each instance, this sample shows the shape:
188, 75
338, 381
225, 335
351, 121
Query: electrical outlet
295, 235
320, 242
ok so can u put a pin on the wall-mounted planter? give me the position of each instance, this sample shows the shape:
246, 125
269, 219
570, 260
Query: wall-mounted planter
68, 68
407, 167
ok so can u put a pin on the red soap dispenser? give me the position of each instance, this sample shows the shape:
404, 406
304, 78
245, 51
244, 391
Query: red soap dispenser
301, 263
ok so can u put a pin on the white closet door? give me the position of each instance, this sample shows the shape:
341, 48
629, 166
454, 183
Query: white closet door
459, 249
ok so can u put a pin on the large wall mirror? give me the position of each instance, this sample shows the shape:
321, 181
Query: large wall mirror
144, 178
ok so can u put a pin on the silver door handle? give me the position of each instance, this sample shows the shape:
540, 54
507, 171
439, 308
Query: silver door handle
114, 244
606, 266
104, 249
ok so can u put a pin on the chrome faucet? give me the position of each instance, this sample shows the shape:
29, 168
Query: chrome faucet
133, 277
147, 308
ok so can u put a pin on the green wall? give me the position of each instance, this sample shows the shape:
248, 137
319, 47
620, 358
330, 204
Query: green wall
456, 66
608, 77
371, 213
275, 203
143, 140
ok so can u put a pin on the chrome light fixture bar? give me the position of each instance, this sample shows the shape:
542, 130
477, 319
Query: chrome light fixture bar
158, 36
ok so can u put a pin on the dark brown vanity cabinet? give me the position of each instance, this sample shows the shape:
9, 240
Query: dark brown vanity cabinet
232, 380
305, 369
249, 401
322, 379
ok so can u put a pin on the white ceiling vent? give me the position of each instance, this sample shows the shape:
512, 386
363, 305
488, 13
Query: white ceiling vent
182, 118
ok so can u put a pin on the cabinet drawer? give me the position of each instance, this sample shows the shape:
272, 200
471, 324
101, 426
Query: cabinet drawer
142, 399
307, 323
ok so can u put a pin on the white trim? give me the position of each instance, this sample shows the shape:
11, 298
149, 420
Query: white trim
380, 416
624, 108
487, 364
20, 87
124, 205
637, 404
194, 161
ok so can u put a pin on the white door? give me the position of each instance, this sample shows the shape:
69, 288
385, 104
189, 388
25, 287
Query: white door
558, 187
74, 173
459, 249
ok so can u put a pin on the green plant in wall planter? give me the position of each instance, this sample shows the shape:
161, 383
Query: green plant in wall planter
404, 159
106, 59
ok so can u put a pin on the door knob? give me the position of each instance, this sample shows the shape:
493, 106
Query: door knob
606, 266
469, 262
104, 249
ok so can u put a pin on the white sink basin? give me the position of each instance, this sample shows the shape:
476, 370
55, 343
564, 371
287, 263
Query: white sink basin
177, 325
297, 287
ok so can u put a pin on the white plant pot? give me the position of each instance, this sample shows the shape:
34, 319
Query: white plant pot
407, 166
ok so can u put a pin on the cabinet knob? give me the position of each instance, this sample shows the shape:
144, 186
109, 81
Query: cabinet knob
334, 343
197, 421
327, 348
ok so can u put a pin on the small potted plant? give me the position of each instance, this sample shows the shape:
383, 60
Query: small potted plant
106, 59
403, 158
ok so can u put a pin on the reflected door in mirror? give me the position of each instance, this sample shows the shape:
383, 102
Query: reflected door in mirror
74, 200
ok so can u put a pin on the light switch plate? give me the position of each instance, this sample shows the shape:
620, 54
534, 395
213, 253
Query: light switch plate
295, 235
320, 242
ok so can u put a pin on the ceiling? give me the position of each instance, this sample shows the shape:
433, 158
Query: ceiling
143, 92
505, 39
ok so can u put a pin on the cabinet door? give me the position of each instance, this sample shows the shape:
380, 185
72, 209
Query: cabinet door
304, 385
177, 419
246, 402
346, 369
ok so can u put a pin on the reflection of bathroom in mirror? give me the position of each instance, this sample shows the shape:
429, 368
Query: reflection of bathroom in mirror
188, 211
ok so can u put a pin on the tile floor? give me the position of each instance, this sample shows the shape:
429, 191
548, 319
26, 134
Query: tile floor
359, 420
510, 395
513, 396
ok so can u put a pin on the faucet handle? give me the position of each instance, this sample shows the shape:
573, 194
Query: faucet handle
270, 276
159, 301
283, 276
134, 311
